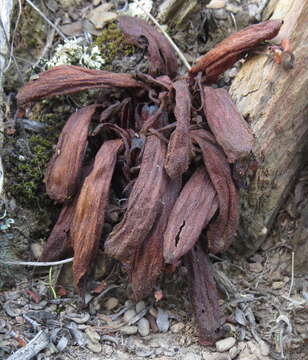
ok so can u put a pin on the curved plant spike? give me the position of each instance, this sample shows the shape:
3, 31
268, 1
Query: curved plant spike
230, 129
222, 230
89, 215
59, 244
231, 49
194, 208
143, 206
63, 173
69, 79
149, 260
204, 296
178, 154
161, 54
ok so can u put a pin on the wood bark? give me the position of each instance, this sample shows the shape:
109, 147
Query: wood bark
274, 102
6, 8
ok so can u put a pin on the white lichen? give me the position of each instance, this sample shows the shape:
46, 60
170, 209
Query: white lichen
75, 52
135, 10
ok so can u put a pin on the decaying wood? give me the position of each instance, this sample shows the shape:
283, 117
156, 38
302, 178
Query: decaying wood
64, 169
149, 259
227, 52
204, 296
143, 204
64, 79
177, 159
89, 215
275, 103
194, 208
226, 123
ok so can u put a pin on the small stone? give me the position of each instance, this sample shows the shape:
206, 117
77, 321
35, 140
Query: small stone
111, 303
143, 327
220, 14
264, 348
162, 320
233, 8
233, 352
129, 314
176, 328
101, 15
215, 356
37, 250
153, 312
277, 285
129, 330
95, 347
191, 356
255, 267
216, 4
96, 2
92, 334
140, 306
225, 344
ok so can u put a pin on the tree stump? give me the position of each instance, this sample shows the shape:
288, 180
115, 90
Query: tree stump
274, 102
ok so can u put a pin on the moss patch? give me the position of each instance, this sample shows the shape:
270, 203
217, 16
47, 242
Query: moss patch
26, 155
112, 44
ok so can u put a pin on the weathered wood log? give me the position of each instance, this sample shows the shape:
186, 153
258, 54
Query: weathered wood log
274, 102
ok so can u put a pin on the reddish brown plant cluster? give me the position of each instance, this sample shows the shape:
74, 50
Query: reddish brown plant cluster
165, 147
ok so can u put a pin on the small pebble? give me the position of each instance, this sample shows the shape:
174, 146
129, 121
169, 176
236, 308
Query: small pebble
143, 327
162, 320
233, 352
95, 347
264, 348
191, 356
215, 356
37, 250
255, 267
233, 8
140, 306
176, 328
129, 314
111, 303
153, 312
216, 4
129, 330
220, 14
92, 334
277, 285
225, 344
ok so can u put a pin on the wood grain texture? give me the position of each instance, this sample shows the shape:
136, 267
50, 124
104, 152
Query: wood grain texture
274, 101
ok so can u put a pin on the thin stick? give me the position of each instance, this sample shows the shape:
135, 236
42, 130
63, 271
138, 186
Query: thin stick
179, 52
37, 263
46, 19
292, 275
37, 344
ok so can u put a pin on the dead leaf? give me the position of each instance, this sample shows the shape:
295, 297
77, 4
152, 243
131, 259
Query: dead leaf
89, 215
230, 129
69, 79
162, 58
204, 296
222, 230
178, 154
231, 49
143, 206
64, 169
194, 208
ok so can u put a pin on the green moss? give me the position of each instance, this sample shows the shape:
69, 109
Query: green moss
25, 165
112, 44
